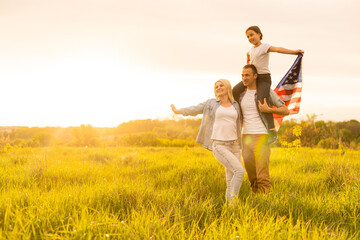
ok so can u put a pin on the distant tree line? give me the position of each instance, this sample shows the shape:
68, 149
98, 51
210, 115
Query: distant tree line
177, 133
322, 134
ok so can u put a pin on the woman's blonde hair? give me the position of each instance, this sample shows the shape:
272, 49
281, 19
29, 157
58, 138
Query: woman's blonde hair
227, 84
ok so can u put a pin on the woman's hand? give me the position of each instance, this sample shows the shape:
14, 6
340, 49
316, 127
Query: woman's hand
173, 108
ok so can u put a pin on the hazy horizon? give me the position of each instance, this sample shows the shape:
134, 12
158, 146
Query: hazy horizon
73, 62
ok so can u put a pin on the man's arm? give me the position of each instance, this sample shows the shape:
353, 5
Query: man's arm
282, 110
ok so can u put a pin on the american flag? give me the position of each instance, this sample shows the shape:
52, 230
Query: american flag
289, 89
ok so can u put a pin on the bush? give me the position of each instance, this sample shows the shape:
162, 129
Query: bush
18, 142
86, 136
139, 140
44, 139
177, 142
328, 143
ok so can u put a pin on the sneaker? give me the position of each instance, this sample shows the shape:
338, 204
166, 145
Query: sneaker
272, 137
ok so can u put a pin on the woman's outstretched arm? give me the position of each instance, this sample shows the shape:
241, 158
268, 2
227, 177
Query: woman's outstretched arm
189, 111
173, 108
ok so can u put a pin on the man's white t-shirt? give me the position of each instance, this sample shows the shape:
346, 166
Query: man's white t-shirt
252, 123
224, 128
259, 56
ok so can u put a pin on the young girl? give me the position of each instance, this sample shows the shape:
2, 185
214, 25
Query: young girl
259, 56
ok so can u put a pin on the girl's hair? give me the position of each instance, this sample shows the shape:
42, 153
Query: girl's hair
227, 84
255, 29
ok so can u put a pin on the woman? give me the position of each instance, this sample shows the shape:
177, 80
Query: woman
220, 131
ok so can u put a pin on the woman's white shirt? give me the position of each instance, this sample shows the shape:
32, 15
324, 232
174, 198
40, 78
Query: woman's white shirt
224, 128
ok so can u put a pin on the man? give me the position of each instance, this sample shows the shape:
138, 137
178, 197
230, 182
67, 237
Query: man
256, 149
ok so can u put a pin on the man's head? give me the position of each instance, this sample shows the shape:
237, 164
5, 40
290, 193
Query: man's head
249, 75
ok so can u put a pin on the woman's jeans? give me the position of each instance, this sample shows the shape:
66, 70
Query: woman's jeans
228, 154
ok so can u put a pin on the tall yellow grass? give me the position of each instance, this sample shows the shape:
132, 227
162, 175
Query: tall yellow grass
174, 193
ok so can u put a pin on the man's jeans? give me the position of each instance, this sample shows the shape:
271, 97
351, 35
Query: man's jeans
228, 154
256, 155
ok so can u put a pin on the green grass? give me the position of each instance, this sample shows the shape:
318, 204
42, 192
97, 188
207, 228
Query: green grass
174, 193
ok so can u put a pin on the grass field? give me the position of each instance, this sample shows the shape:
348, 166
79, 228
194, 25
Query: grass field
174, 193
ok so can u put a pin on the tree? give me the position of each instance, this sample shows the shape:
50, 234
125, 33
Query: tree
86, 136
44, 139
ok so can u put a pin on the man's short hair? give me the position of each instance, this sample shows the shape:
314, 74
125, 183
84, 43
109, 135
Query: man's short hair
251, 66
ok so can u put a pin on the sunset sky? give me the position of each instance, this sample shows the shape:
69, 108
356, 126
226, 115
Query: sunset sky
103, 62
